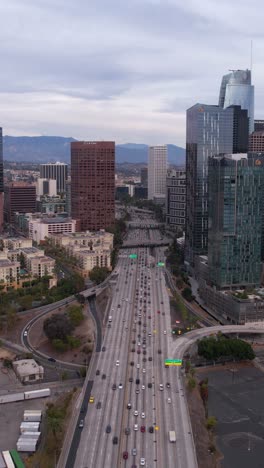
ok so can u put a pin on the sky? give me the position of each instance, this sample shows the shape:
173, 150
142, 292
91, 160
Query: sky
122, 70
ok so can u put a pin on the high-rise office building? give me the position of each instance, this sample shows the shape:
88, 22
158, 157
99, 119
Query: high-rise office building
209, 132
256, 142
144, 176
157, 171
259, 125
68, 197
1, 181
235, 185
236, 89
57, 171
176, 199
93, 183
19, 197
46, 187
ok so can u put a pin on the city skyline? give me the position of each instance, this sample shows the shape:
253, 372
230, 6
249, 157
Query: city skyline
130, 75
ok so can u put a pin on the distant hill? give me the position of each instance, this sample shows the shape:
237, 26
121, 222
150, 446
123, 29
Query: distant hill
51, 149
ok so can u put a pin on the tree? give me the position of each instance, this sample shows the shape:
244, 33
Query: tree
58, 326
211, 423
73, 342
98, 274
59, 345
187, 294
191, 383
75, 314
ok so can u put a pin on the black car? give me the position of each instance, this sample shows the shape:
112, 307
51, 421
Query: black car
159, 351
103, 376
97, 372
149, 385
130, 379
99, 405
51, 359
115, 440
114, 387
151, 430
103, 348
150, 358
108, 429
137, 381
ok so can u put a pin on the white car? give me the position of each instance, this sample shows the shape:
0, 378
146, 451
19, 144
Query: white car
120, 386
25, 333
135, 427
169, 400
136, 413
143, 415
144, 371
142, 461
165, 333
138, 366
117, 363
143, 387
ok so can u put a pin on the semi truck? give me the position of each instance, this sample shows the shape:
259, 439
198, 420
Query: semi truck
44, 392
9, 398
172, 436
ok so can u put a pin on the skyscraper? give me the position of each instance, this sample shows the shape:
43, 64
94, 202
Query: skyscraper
209, 132
157, 171
235, 185
93, 183
256, 142
57, 171
19, 197
1, 182
236, 89
176, 199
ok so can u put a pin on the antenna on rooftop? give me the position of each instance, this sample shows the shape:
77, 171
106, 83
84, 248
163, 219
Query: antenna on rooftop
251, 56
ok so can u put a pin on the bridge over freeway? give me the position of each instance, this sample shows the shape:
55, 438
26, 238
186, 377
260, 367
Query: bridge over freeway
151, 225
145, 243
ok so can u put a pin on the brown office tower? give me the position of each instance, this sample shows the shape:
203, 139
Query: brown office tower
256, 142
93, 183
19, 197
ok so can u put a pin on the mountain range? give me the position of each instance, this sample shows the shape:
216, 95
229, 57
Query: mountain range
52, 148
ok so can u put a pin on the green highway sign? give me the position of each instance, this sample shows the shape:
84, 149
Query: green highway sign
161, 264
173, 362
132, 256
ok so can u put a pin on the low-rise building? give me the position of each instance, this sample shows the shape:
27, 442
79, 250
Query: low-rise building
27, 370
16, 242
40, 229
9, 271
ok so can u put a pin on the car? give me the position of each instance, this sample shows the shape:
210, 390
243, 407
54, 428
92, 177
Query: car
161, 386
91, 399
103, 376
115, 440
120, 386
143, 387
51, 359
165, 332
149, 385
25, 333
114, 386
168, 385
142, 462
108, 429
136, 413
99, 405
83, 409
134, 452
158, 311
143, 415
109, 325
132, 350
97, 372
150, 358
129, 406
81, 423
149, 334
143, 429
137, 381
169, 400
151, 429
117, 363
159, 351
138, 351
130, 379
132, 363
137, 391
125, 455
103, 349
127, 430
135, 427
144, 371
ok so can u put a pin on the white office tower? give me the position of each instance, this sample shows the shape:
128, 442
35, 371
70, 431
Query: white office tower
157, 171
57, 171
46, 187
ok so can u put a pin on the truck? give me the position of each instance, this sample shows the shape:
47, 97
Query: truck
172, 436
10, 397
32, 415
30, 435
26, 445
44, 392
29, 427
8, 459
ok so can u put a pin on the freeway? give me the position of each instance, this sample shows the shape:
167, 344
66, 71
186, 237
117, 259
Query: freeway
134, 397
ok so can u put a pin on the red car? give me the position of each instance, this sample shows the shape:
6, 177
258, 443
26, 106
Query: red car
125, 455
143, 428
158, 311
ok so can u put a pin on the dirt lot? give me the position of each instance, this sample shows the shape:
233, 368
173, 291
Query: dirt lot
84, 332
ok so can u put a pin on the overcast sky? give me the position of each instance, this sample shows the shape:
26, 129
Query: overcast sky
124, 70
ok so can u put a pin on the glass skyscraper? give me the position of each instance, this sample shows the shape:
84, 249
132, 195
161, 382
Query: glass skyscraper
235, 185
236, 89
209, 132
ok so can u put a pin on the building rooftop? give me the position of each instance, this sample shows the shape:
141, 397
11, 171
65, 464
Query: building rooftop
26, 367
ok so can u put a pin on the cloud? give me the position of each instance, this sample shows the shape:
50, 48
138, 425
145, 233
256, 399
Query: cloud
125, 70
